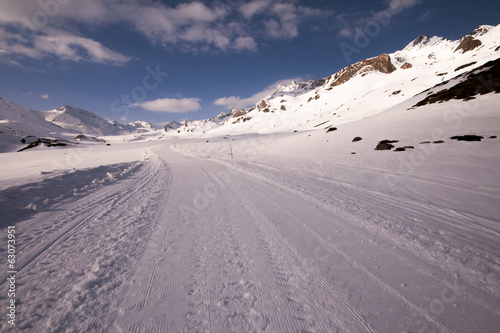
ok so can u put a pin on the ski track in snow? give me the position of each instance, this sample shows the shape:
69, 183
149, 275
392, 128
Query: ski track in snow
187, 244
75, 257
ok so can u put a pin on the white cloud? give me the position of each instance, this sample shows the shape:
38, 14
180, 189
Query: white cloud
248, 10
171, 105
192, 26
44, 96
240, 103
66, 47
245, 43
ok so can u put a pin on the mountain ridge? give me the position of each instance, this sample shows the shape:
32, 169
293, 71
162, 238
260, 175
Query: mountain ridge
369, 86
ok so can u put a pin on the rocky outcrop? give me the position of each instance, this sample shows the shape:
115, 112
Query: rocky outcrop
239, 113
407, 66
468, 43
381, 64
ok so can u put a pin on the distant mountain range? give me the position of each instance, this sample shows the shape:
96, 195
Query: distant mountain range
426, 66
19, 125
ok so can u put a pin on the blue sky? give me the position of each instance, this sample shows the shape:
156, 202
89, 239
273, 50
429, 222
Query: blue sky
165, 60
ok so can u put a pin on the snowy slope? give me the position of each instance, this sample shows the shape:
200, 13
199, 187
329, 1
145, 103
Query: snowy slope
362, 89
294, 233
17, 123
85, 122
67, 122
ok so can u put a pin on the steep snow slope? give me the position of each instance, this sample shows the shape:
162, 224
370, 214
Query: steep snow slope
360, 90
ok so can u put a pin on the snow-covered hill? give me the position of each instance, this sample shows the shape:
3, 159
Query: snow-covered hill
86, 122
359, 90
20, 126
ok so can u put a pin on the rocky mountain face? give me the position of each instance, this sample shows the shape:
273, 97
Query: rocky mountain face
381, 64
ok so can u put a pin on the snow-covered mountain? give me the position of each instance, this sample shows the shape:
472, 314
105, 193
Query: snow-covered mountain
360, 90
80, 121
19, 126
17, 123
88, 123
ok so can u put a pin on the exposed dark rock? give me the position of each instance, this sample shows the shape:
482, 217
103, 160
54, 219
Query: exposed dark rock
283, 108
331, 129
468, 137
400, 149
438, 142
468, 43
493, 137
239, 113
481, 81
421, 40
321, 124
47, 142
465, 66
424, 142
407, 66
385, 145
356, 139
397, 92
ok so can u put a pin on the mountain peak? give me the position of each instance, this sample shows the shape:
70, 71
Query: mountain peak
481, 30
420, 40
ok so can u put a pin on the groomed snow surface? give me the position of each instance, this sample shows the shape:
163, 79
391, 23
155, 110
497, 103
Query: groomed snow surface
294, 234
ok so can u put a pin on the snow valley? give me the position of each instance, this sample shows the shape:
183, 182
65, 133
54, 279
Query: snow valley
366, 201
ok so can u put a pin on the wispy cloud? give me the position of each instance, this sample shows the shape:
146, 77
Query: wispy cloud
44, 96
349, 23
240, 103
171, 105
254, 7
426, 16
